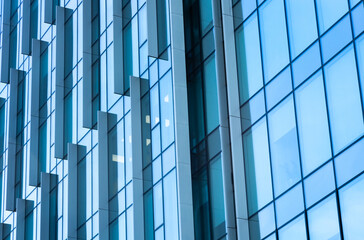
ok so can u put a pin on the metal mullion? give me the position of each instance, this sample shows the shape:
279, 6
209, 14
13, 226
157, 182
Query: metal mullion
296, 122
328, 120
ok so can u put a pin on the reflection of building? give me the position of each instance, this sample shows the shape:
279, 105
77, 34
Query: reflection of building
182, 119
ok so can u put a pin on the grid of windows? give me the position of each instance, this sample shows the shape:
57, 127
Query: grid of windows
300, 81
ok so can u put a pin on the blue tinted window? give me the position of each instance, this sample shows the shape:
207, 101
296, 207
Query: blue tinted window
274, 37
211, 101
166, 105
253, 110
306, 64
353, 2
258, 176
360, 56
358, 19
248, 59
127, 55
329, 11
302, 26
349, 163
283, 146
289, 205
158, 205
263, 223
336, 39
170, 206
312, 124
319, 184
352, 209
323, 220
248, 7
278, 88
294, 230
205, 14
344, 100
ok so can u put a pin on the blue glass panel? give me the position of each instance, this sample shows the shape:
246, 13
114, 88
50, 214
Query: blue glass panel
252, 110
278, 88
349, 163
148, 216
248, 7
294, 230
283, 146
289, 205
166, 110
344, 100
159, 234
312, 122
274, 37
358, 19
306, 64
329, 11
168, 159
158, 205
263, 223
360, 56
353, 2
323, 220
205, 14
319, 184
170, 206
157, 170
302, 26
156, 144
352, 209
210, 94
336, 39
216, 190
258, 175
248, 59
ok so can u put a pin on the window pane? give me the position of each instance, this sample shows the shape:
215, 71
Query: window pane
349, 163
262, 223
248, 7
312, 124
217, 197
283, 146
211, 101
258, 176
294, 230
248, 59
158, 205
352, 209
166, 111
279, 88
170, 206
306, 64
252, 110
205, 14
336, 39
357, 18
319, 184
329, 11
345, 110
274, 37
323, 220
360, 56
289, 205
301, 24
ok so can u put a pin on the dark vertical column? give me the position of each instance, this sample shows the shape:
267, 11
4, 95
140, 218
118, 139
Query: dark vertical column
237, 157
87, 65
15, 76
48, 182
23, 207
26, 28
62, 14
37, 48
5, 50
48, 11
137, 163
75, 154
152, 28
118, 47
5, 230
105, 122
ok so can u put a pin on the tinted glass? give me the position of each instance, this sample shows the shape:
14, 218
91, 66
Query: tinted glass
329, 11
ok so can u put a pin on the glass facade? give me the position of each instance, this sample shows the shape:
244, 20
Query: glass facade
230, 110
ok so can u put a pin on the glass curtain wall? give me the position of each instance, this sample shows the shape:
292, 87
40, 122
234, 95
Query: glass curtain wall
300, 72
208, 202
43, 112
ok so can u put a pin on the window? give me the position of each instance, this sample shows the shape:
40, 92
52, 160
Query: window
294, 230
312, 122
248, 59
329, 11
301, 24
273, 37
256, 155
344, 100
283, 146
43, 97
128, 55
166, 110
95, 48
352, 209
324, 214
263, 223
205, 15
